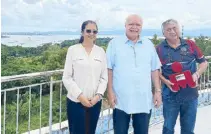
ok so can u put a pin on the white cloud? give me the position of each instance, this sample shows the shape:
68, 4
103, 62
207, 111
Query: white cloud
47, 15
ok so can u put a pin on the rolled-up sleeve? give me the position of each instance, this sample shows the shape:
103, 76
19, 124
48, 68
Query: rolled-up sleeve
67, 78
110, 55
104, 75
198, 53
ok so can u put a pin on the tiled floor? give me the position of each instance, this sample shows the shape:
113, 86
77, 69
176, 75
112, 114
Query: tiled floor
203, 123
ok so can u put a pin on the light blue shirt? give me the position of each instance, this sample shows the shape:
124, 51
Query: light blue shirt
132, 65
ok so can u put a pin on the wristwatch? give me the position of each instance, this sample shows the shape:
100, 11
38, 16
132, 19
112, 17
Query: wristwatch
158, 90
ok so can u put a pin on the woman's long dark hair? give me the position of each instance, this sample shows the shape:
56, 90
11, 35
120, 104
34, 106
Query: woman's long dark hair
83, 26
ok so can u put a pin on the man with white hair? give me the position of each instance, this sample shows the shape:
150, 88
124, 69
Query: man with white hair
132, 63
173, 50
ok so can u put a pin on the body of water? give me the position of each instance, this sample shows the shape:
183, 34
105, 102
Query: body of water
37, 40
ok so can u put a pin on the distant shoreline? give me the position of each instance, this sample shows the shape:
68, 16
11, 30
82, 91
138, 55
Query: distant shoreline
5, 36
145, 32
39, 40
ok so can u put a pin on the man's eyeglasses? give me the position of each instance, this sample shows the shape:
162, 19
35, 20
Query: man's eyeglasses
91, 31
171, 29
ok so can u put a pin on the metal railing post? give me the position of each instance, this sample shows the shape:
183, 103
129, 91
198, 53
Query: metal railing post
50, 105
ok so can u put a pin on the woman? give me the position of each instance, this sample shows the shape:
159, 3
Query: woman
85, 78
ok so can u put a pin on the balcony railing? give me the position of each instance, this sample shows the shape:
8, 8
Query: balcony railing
28, 97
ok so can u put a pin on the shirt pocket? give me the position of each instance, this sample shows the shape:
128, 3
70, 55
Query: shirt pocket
97, 65
97, 61
79, 61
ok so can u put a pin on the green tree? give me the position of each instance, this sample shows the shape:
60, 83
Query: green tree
155, 40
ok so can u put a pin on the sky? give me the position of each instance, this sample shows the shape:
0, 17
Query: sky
68, 15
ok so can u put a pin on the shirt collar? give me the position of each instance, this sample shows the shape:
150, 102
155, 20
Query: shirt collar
126, 40
182, 41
